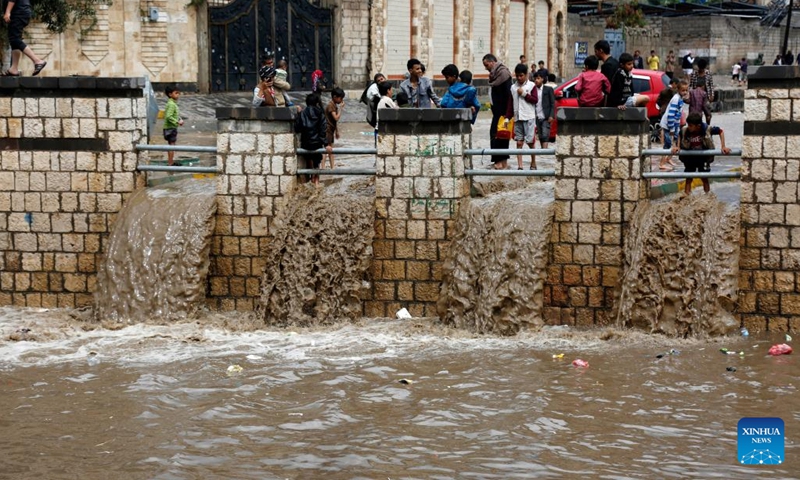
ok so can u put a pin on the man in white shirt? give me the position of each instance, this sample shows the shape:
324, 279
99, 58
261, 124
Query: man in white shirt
524, 96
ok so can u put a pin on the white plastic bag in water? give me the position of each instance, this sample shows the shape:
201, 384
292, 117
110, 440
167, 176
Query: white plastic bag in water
403, 314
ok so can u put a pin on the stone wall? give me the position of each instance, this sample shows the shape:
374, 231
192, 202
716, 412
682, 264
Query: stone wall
353, 52
123, 43
723, 40
419, 184
598, 184
67, 164
257, 164
769, 285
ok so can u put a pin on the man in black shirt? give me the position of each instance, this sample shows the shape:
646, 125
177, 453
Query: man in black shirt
610, 64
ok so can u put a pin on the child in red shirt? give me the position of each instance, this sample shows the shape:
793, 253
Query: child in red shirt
592, 86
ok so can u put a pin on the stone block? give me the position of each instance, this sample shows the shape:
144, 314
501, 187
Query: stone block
774, 147
756, 110
584, 145
629, 146
780, 110
588, 189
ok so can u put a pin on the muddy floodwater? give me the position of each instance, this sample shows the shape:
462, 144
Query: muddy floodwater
166, 402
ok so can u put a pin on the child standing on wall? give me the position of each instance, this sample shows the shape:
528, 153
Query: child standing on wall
671, 119
333, 112
172, 120
696, 135
311, 126
524, 99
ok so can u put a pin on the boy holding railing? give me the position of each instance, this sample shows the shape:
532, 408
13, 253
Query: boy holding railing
696, 135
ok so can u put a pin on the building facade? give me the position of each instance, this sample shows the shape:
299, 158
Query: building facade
218, 45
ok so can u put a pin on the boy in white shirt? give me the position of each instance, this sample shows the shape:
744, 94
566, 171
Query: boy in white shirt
524, 98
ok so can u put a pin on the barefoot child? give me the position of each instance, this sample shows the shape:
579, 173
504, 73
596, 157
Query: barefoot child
696, 135
671, 121
333, 112
172, 120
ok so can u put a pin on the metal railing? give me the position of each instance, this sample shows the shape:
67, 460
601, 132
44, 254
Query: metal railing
176, 169
734, 152
478, 152
177, 148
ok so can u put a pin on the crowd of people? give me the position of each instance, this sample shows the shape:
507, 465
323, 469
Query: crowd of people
522, 102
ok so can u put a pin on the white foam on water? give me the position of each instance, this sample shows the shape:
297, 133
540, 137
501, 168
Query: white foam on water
56, 338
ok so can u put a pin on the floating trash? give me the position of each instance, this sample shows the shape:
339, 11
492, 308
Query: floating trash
745, 332
403, 314
405, 381
788, 338
731, 369
578, 363
234, 370
781, 349
93, 359
558, 356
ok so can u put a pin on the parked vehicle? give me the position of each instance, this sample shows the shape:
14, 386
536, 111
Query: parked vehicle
645, 82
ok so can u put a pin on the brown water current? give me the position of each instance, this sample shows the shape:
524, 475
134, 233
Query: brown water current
494, 277
319, 257
681, 267
158, 402
156, 260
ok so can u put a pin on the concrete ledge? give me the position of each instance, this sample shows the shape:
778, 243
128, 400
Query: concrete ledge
256, 113
602, 121
773, 129
81, 87
775, 76
415, 121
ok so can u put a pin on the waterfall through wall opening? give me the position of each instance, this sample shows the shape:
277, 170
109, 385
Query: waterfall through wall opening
157, 257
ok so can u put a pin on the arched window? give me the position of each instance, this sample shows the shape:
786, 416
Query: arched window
541, 32
443, 29
516, 32
481, 33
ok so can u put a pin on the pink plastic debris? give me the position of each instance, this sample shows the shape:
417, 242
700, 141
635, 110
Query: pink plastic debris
780, 349
582, 363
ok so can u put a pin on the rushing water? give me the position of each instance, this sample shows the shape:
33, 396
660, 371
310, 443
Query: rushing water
157, 402
681, 267
494, 276
319, 257
156, 260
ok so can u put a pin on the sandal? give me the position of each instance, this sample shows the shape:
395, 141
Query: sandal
38, 68
665, 168
9, 74
519, 168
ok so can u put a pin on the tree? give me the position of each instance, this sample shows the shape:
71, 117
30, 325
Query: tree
60, 14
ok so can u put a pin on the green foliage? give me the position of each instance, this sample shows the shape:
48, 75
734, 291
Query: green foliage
627, 14
60, 14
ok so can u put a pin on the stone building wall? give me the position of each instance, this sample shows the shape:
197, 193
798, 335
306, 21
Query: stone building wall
124, 43
67, 164
353, 49
723, 40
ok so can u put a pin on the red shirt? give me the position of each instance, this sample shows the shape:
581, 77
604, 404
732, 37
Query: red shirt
590, 87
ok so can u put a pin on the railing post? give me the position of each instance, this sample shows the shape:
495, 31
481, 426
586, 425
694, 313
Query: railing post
257, 164
598, 184
419, 184
769, 292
